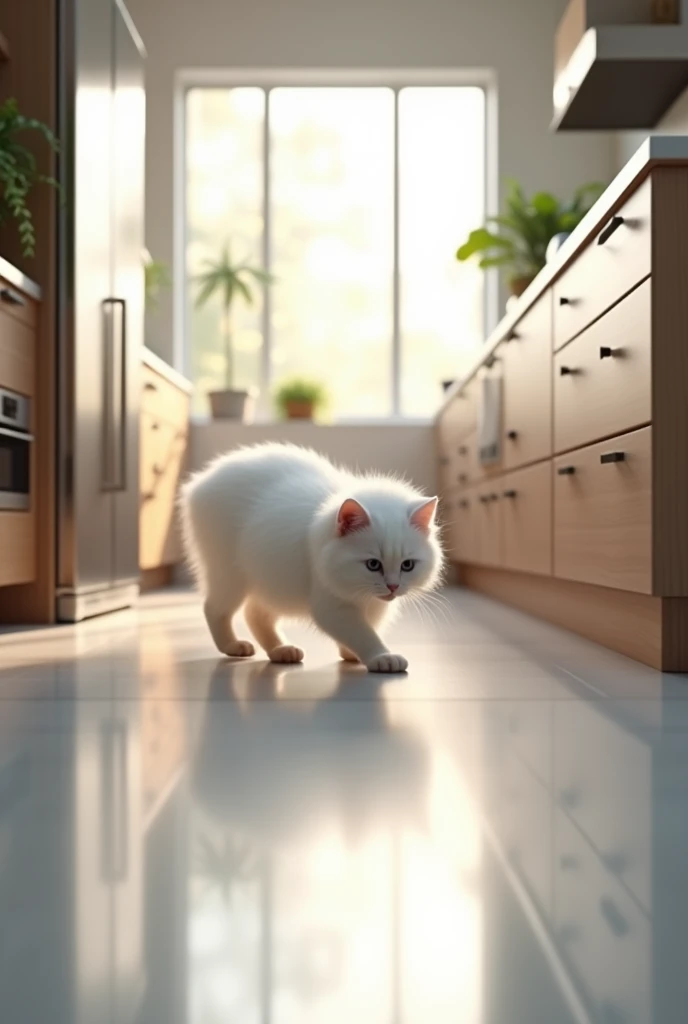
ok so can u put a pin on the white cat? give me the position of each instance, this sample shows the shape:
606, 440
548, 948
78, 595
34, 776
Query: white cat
281, 531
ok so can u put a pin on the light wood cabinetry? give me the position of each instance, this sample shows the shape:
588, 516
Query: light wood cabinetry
614, 261
164, 434
528, 372
606, 372
18, 343
581, 516
602, 513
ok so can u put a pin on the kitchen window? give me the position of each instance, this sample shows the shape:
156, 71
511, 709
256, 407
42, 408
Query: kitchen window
355, 197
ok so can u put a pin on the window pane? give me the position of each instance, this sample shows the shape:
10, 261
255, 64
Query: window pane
332, 206
442, 197
224, 155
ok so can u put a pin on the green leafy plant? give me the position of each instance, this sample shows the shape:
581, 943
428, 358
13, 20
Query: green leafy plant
518, 238
19, 172
229, 280
300, 391
157, 279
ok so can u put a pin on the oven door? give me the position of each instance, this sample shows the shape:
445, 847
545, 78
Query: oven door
15, 469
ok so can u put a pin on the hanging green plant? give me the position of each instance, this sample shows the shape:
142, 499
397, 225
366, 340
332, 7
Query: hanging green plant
19, 172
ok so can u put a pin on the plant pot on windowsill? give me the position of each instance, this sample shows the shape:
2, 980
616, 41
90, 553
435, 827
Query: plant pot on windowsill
299, 410
231, 405
517, 285
300, 399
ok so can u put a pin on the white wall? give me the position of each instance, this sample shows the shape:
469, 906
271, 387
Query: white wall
675, 122
404, 449
513, 37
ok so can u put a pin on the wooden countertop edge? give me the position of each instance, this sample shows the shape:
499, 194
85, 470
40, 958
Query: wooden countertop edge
656, 151
18, 280
154, 362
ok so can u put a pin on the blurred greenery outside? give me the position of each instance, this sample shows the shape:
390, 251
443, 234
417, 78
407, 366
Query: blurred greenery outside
332, 237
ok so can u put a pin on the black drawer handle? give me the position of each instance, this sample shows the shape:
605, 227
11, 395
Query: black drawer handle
490, 361
612, 457
462, 478
150, 386
563, 301
567, 371
566, 470
513, 335
11, 298
493, 497
618, 924
613, 225
512, 435
464, 503
155, 426
463, 450
606, 352
509, 494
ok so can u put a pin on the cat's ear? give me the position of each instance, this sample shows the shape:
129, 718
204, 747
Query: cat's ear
423, 516
351, 517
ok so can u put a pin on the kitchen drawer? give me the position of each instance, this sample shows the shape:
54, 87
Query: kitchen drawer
18, 547
461, 533
527, 519
17, 305
487, 531
603, 780
602, 380
601, 932
602, 513
456, 465
163, 450
162, 399
17, 355
606, 269
456, 421
528, 387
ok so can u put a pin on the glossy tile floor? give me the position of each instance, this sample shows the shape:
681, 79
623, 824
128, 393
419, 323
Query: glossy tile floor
501, 837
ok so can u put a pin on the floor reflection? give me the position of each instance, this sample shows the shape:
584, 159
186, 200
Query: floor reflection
498, 839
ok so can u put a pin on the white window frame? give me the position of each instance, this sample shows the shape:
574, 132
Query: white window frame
273, 78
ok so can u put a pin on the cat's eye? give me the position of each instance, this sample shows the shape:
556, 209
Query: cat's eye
408, 564
374, 564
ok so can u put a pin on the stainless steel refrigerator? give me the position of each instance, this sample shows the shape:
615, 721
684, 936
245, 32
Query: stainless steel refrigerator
101, 118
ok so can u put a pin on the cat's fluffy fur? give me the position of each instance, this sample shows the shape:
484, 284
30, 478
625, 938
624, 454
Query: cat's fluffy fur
282, 532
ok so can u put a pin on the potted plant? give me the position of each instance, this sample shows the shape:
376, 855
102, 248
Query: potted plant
19, 172
518, 239
300, 399
230, 280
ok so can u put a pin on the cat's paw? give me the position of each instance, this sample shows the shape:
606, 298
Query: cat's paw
240, 649
388, 663
286, 654
346, 655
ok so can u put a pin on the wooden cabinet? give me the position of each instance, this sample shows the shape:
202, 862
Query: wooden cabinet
581, 516
18, 368
617, 258
603, 379
602, 513
164, 433
527, 519
528, 387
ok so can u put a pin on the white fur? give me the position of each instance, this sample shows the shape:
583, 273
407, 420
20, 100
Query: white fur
261, 530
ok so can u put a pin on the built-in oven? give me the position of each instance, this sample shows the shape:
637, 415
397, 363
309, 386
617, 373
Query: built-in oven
16, 442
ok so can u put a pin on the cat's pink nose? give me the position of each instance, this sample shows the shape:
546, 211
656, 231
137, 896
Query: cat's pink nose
392, 587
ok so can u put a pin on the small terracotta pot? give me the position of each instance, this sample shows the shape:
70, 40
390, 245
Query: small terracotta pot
299, 410
517, 285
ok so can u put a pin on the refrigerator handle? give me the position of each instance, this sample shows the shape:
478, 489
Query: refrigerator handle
114, 461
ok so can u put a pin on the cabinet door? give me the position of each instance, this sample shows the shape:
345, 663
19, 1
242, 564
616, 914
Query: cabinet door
527, 519
487, 532
128, 162
528, 387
